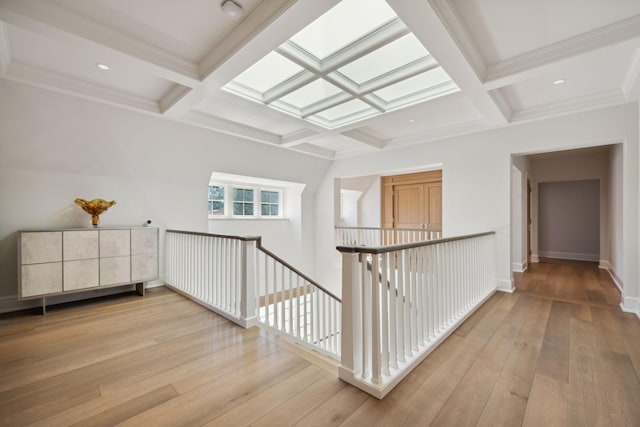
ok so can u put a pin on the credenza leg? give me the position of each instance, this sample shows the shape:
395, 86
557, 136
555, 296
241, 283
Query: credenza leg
140, 289
44, 306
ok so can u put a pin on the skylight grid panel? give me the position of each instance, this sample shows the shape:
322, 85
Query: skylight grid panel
267, 73
337, 29
415, 84
386, 59
311, 93
344, 109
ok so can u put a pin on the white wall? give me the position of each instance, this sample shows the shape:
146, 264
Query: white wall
569, 220
349, 208
54, 148
476, 179
369, 205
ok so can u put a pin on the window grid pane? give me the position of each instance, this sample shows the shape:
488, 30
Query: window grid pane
269, 203
216, 200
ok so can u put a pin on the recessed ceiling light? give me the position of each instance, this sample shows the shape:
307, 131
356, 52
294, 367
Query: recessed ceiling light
231, 9
412, 120
559, 82
103, 67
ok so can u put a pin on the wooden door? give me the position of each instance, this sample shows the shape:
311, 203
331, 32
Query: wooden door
434, 195
409, 206
412, 201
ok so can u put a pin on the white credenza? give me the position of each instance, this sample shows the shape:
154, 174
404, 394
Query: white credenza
57, 262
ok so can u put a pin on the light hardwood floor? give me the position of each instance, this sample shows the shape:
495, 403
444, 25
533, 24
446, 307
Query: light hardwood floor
557, 352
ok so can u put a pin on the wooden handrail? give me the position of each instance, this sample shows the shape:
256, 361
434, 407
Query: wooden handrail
224, 236
295, 270
386, 229
393, 248
258, 240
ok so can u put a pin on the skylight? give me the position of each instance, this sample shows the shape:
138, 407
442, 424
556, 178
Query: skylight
331, 78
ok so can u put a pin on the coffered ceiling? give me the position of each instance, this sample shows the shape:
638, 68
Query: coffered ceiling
492, 63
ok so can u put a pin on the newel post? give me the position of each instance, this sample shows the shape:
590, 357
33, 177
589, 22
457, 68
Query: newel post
248, 285
351, 344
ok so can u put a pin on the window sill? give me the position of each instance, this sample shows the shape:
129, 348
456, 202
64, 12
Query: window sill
227, 218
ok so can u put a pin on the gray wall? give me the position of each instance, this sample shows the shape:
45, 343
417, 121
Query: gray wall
569, 219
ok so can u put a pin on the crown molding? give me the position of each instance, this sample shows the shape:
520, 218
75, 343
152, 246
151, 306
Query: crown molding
50, 20
299, 137
72, 86
458, 129
590, 102
631, 83
520, 67
207, 121
5, 49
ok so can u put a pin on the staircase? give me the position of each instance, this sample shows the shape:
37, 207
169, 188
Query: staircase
400, 301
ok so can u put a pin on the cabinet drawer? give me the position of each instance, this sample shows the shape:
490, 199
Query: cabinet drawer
115, 270
81, 274
41, 279
79, 245
144, 241
40, 247
144, 267
114, 243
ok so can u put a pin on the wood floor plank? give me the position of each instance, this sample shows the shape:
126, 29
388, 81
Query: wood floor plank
336, 409
553, 360
508, 400
259, 405
547, 404
587, 403
129, 409
466, 403
299, 406
422, 407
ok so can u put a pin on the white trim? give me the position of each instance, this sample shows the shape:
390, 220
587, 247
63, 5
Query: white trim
570, 255
604, 264
503, 285
519, 267
534, 259
631, 305
616, 280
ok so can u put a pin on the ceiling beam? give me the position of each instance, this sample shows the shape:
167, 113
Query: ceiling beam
363, 138
50, 20
230, 128
527, 65
315, 150
429, 24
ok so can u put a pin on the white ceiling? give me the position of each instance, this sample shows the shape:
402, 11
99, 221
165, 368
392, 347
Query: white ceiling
171, 58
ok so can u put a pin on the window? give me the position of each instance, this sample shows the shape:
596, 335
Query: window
216, 200
270, 203
243, 199
243, 202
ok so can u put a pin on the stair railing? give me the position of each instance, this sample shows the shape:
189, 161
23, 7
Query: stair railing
376, 237
400, 302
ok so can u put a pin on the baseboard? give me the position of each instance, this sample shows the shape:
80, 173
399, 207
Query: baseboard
604, 265
570, 256
534, 258
519, 267
616, 280
631, 305
503, 285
